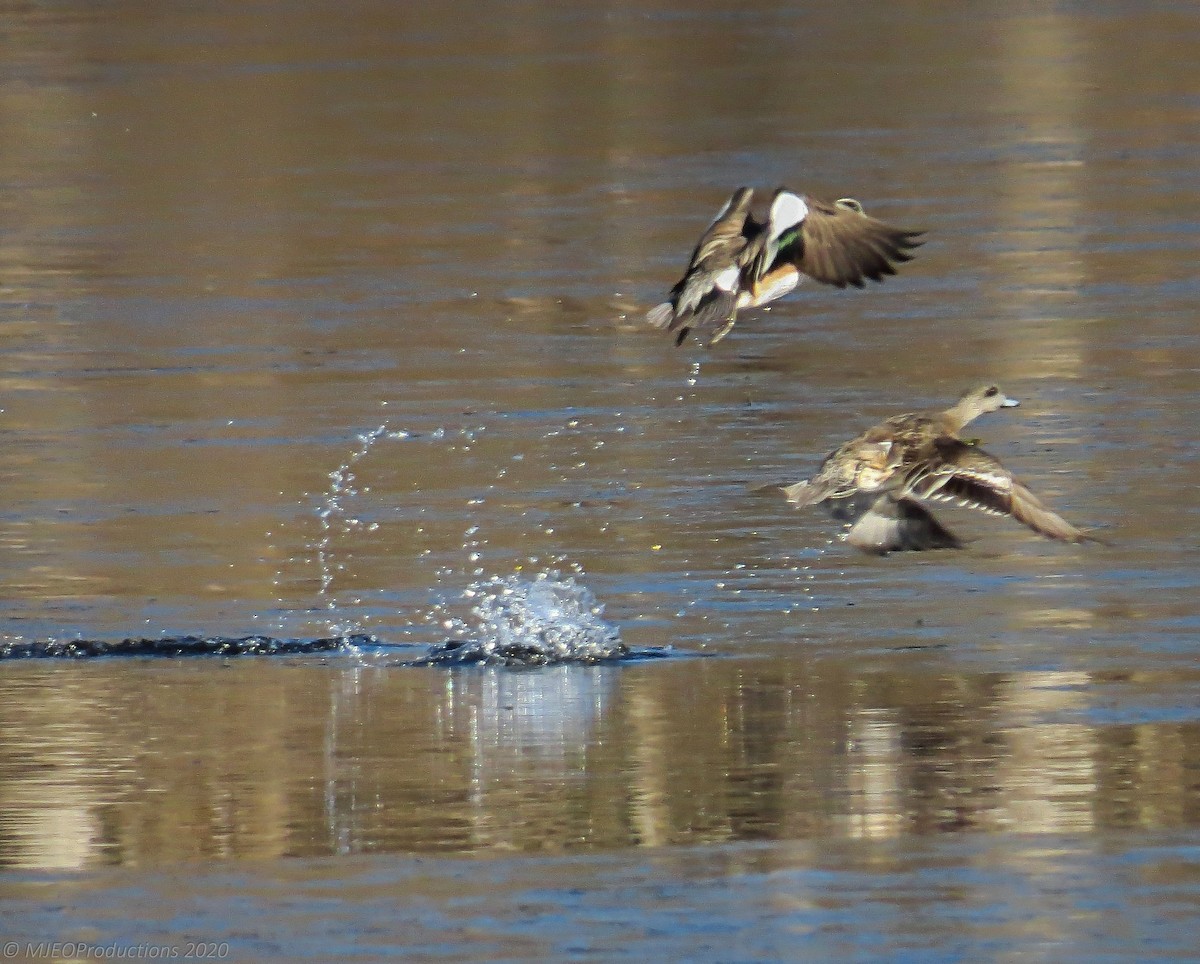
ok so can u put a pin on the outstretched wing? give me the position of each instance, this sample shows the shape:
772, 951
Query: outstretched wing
837, 244
959, 472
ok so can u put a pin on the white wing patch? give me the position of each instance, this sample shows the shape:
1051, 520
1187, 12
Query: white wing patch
787, 210
727, 280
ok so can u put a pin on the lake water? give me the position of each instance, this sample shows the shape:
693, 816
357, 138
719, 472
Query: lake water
323, 318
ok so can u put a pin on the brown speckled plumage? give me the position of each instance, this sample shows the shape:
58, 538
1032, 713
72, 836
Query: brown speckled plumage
881, 476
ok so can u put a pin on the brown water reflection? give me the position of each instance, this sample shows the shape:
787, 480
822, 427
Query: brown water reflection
238, 236
147, 764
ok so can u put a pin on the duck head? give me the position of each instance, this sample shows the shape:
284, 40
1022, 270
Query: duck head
978, 401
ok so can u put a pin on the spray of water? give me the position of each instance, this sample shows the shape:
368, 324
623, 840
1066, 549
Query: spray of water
335, 519
547, 619
541, 618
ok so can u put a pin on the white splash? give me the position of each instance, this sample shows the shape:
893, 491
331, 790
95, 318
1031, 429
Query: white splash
547, 619
333, 510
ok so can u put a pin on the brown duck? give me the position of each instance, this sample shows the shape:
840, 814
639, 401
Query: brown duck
876, 481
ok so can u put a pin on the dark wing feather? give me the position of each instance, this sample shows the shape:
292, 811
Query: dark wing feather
1027, 508
840, 246
968, 475
724, 237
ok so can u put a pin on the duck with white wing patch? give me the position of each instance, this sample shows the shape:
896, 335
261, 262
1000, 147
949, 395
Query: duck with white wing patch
741, 262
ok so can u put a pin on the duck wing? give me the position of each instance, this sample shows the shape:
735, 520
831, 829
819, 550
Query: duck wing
837, 244
960, 472
707, 293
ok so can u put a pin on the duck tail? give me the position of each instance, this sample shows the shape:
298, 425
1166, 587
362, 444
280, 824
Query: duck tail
798, 493
660, 316
801, 494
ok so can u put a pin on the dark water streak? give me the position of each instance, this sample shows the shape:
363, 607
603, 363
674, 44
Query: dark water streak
174, 646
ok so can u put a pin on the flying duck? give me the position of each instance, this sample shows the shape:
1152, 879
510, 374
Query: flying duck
740, 262
877, 480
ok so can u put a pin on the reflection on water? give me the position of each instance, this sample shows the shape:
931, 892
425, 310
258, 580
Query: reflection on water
1040, 897
503, 765
569, 757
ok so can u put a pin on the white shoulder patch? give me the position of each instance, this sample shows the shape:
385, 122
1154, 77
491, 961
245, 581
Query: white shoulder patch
787, 210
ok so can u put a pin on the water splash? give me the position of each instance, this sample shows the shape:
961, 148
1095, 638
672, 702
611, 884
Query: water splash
335, 519
547, 619
517, 619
